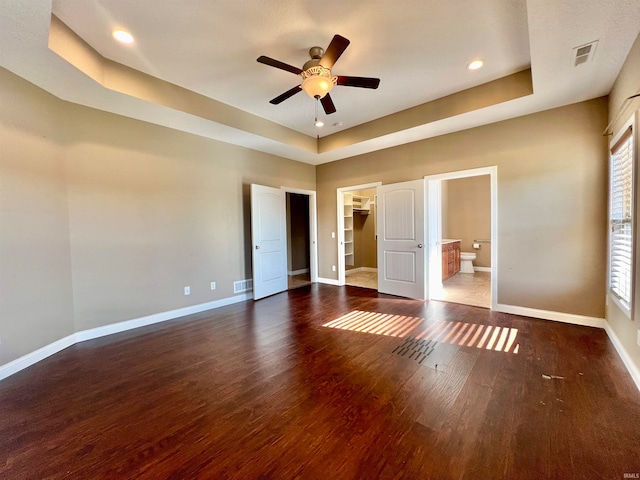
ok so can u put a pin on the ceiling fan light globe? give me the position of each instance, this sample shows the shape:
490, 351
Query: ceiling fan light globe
317, 86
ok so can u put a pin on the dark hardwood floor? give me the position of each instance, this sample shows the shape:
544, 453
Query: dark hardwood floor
262, 390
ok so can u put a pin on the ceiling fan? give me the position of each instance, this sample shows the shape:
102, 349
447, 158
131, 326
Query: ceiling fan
317, 79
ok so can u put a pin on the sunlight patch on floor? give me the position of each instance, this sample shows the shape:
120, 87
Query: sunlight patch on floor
488, 337
499, 339
376, 323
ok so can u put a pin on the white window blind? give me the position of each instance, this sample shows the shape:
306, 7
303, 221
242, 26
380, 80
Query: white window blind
621, 219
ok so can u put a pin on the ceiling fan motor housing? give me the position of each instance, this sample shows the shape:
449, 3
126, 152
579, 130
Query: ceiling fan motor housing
316, 53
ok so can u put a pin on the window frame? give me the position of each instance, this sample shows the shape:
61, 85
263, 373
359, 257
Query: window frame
629, 125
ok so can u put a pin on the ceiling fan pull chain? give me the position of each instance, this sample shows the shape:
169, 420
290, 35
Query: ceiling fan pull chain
319, 123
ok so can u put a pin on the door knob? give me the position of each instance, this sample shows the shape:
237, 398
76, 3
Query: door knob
419, 245
257, 247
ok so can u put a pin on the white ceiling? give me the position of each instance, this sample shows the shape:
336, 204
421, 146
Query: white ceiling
418, 48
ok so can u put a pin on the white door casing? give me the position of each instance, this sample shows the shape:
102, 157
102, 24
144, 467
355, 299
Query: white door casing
401, 239
269, 240
313, 229
435, 226
340, 203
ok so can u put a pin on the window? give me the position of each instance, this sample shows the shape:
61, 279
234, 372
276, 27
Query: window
621, 218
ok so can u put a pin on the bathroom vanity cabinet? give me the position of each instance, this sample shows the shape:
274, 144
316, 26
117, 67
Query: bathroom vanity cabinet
450, 258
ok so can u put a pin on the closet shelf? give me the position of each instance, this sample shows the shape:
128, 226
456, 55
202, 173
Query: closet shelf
361, 204
352, 204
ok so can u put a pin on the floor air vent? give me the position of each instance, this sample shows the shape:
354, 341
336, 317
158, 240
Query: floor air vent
416, 349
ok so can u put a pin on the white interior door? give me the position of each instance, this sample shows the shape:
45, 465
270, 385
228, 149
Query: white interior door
401, 239
269, 236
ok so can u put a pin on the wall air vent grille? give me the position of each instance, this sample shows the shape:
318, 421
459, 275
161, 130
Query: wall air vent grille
584, 53
242, 286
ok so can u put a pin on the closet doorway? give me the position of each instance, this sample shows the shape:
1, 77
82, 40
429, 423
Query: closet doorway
298, 240
357, 239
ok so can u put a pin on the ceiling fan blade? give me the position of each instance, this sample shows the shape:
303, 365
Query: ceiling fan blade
276, 63
361, 82
337, 46
327, 104
289, 93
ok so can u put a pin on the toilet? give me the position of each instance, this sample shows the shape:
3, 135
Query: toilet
466, 262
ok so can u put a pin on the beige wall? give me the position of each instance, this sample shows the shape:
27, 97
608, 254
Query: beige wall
36, 302
627, 84
110, 222
467, 209
444, 207
152, 210
552, 181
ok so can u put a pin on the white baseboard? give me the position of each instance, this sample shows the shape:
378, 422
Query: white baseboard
624, 355
33, 357
360, 269
29, 359
298, 272
482, 269
158, 317
549, 315
329, 281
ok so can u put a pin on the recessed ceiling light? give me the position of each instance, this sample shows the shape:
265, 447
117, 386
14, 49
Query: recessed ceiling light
122, 36
319, 123
475, 65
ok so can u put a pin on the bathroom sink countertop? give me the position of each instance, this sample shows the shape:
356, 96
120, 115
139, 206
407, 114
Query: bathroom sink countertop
448, 240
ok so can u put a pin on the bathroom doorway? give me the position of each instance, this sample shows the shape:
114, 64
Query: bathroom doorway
462, 218
357, 239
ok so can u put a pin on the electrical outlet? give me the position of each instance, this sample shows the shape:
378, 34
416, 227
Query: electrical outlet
213, 285
333, 268
638, 338
333, 234
187, 290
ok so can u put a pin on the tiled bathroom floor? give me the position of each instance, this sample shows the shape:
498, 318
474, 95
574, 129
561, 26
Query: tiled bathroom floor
469, 289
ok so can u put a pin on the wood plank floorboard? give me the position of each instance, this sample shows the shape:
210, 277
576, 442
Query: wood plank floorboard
262, 390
